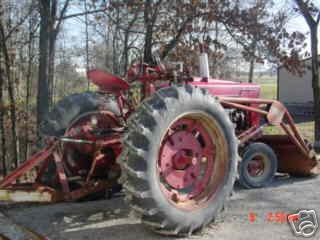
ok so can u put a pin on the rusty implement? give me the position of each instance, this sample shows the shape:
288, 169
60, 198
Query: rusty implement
295, 155
14, 189
28, 193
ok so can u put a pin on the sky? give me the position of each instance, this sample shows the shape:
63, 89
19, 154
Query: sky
297, 22
75, 29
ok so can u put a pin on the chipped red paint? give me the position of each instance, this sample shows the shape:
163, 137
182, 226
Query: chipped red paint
180, 162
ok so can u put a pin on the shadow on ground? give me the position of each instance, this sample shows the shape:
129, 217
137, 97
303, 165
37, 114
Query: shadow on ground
104, 219
112, 220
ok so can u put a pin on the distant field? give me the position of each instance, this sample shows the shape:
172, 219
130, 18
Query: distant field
259, 78
268, 90
305, 128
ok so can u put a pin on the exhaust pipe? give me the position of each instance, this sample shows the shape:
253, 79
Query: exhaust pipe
203, 64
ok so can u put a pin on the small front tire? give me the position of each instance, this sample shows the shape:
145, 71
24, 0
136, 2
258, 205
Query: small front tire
258, 166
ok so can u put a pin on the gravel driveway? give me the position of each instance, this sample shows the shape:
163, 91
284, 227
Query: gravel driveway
251, 214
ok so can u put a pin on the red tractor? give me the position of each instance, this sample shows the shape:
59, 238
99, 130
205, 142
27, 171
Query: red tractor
175, 140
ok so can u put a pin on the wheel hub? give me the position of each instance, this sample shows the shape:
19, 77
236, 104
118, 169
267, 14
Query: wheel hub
182, 159
180, 164
256, 167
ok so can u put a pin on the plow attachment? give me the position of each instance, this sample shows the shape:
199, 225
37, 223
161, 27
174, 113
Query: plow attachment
12, 190
28, 193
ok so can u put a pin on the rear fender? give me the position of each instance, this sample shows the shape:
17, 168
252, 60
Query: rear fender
107, 82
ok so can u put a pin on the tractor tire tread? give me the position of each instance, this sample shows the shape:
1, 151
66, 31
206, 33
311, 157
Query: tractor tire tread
138, 141
69, 108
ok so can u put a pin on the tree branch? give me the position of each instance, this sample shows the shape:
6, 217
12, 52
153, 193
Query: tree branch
84, 13
306, 13
62, 13
172, 43
22, 20
155, 12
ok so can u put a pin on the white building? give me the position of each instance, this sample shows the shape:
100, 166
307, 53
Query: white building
296, 91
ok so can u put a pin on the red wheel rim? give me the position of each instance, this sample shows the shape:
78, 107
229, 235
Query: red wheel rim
190, 168
81, 128
256, 166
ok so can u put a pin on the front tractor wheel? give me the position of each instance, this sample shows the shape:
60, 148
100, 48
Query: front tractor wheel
258, 166
179, 159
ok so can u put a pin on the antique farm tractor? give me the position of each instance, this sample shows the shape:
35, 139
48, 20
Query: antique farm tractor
175, 143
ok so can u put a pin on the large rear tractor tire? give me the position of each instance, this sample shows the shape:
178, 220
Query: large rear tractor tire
68, 109
68, 118
179, 160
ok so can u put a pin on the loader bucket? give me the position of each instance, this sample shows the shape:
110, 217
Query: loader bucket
291, 159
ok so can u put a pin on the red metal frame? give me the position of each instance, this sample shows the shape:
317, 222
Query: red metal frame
295, 155
273, 112
35, 160
277, 115
53, 153
241, 96
177, 164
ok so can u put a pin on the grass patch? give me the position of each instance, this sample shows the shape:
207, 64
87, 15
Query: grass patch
306, 129
268, 90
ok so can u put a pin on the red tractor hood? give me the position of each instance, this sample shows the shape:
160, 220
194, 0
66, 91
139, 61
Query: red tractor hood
218, 87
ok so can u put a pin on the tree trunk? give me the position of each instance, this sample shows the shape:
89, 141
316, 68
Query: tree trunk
10, 82
252, 61
43, 86
87, 41
125, 52
2, 128
313, 25
115, 45
51, 65
251, 69
52, 47
2, 114
147, 57
315, 85
29, 76
126, 46
13, 117
115, 57
215, 62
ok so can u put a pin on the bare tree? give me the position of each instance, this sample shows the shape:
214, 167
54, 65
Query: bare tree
50, 22
43, 85
32, 28
87, 39
312, 16
12, 109
2, 128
